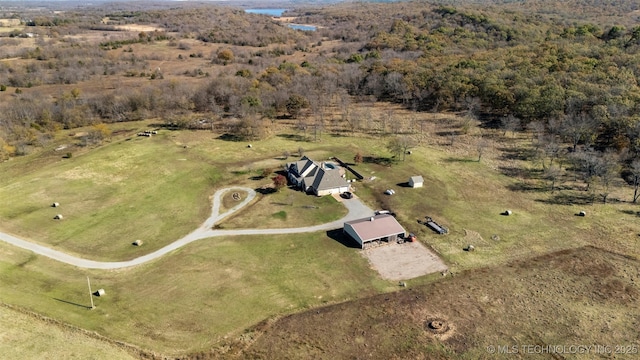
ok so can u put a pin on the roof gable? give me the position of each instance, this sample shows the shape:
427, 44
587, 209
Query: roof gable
376, 227
302, 167
328, 179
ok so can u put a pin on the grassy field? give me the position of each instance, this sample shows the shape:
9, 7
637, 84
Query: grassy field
558, 301
27, 337
198, 296
286, 209
468, 197
206, 294
154, 189
143, 188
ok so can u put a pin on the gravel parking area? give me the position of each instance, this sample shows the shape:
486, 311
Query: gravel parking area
404, 261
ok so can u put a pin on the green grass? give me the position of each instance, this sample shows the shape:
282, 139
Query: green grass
191, 299
145, 188
195, 297
152, 189
289, 208
26, 337
468, 198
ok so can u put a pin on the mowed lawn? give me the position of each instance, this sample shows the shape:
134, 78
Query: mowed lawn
286, 208
154, 189
196, 297
143, 188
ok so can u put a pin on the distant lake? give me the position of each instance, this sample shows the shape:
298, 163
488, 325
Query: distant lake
302, 27
278, 13
270, 12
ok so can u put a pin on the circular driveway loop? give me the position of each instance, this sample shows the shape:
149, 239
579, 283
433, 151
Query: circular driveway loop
357, 210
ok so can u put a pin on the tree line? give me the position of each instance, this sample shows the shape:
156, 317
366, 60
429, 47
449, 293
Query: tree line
576, 80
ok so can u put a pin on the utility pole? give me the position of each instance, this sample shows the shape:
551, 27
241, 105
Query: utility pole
90, 293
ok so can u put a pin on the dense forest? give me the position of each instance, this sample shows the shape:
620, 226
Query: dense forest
565, 70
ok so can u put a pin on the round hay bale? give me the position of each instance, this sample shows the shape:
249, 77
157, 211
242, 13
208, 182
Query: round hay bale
100, 292
582, 213
137, 243
58, 217
249, 146
507, 212
55, 204
470, 248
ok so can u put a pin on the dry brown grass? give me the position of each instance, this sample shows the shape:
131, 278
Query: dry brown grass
465, 195
585, 296
27, 336
231, 199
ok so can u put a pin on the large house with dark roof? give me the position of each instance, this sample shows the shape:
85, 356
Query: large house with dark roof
317, 178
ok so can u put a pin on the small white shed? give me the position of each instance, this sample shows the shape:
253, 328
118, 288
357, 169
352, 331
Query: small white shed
416, 181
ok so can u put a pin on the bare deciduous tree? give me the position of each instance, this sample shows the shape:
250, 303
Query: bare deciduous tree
482, 144
400, 145
607, 170
553, 173
509, 123
578, 127
634, 175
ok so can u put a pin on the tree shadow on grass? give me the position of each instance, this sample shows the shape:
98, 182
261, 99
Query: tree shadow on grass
519, 172
293, 137
384, 161
72, 303
631, 212
460, 160
266, 190
344, 239
528, 187
569, 199
229, 137
449, 133
517, 153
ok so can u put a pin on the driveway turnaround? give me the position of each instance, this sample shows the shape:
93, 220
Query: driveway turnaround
357, 210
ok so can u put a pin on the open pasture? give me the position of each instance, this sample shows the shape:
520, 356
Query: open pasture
205, 295
198, 297
582, 297
25, 336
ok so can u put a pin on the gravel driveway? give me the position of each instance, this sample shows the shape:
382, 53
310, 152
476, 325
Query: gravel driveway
356, 209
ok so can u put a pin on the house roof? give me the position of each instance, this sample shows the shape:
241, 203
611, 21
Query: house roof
328, 179
316, 176
417, 179
298, 168
376, 227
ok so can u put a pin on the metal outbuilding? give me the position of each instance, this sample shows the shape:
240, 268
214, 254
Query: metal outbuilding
378, 228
